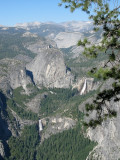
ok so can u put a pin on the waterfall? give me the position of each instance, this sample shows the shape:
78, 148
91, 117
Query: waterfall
84, 88
40, 126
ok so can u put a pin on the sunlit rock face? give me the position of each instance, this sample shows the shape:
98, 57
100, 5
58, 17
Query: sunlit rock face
56, 125
49, 69
107, 136
67, 39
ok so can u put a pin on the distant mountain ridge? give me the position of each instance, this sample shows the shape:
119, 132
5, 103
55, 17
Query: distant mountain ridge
65, 34
76, 26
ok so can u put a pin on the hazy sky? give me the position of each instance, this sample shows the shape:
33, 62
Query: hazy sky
20, 11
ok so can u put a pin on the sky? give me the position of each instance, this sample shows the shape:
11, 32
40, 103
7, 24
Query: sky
21, 11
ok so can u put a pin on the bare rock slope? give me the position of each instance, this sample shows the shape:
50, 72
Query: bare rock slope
49, 69
13, 74
108, 138
107, 134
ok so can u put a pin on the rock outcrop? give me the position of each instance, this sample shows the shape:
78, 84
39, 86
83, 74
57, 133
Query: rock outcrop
56, 125
18, 77
67, 39
4, 127
13, 74
49, 69
107, 136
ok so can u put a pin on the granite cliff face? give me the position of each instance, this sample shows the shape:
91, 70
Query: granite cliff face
4, 126
13, 75
18, 77
67, 39
107, 136
49, 69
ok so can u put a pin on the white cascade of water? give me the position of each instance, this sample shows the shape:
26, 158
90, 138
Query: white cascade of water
40, 126
84, 88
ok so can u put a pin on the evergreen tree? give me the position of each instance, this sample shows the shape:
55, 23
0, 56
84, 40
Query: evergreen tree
108, 19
